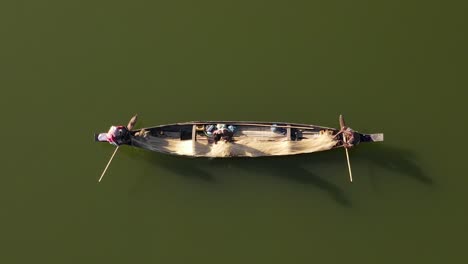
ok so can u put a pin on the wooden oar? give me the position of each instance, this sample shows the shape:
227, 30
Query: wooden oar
343, 126
130, 126
132, 122
349, 163
107, 166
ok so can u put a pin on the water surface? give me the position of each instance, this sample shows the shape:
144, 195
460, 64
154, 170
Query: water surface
71, 69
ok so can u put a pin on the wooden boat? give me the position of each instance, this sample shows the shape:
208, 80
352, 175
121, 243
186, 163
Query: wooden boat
246, 139
223, 139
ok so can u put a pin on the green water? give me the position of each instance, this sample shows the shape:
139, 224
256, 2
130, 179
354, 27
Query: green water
69, 69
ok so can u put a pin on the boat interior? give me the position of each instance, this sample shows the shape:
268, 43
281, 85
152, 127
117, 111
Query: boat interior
247, 140
199, 132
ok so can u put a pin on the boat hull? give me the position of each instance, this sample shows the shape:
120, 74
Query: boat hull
249, 139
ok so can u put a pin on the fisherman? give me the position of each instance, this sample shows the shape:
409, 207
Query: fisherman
223, 132
117, 135
348, 134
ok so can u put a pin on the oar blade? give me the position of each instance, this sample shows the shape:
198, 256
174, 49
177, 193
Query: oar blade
132, 122
342, 122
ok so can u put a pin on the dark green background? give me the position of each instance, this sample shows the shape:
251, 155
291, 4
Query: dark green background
72, 68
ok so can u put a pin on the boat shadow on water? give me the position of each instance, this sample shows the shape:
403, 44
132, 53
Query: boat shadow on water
211, 171
296, 169
402, 162
190, 168
301, 169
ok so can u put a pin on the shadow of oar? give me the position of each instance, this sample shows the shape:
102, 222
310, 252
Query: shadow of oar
402, 161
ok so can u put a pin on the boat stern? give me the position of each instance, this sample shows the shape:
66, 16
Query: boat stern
378, 137
101, 137
117, 135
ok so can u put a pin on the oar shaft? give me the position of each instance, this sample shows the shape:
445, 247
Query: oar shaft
345, 141
349, 166
107, 166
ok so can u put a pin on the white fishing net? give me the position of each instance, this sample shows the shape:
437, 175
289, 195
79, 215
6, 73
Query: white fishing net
241, 147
